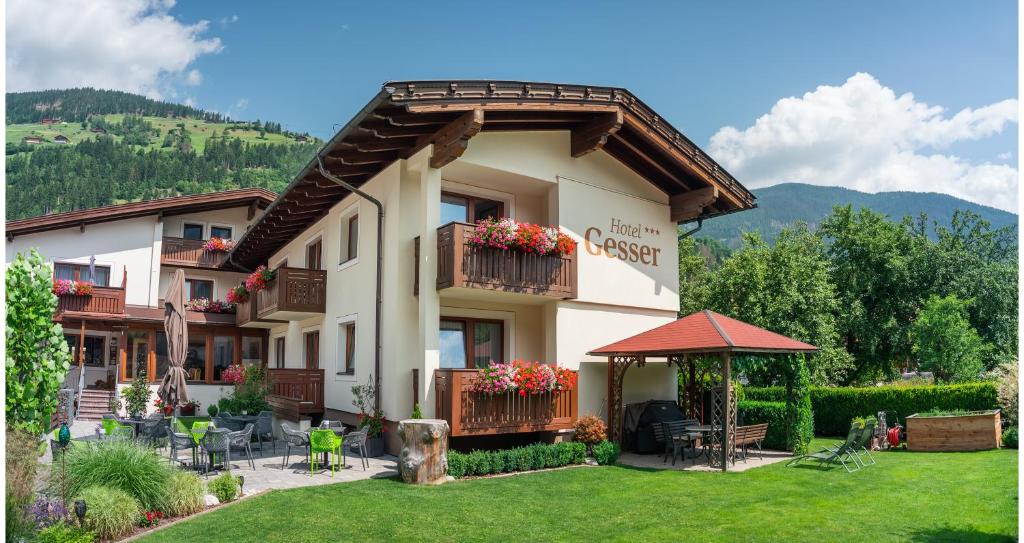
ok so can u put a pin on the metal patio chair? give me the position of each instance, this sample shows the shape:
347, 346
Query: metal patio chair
241, 441
293, 439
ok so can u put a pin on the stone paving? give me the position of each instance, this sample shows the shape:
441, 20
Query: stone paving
269, 473
656, 461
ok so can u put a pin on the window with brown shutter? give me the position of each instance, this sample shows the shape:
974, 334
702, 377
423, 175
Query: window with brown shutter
312, 354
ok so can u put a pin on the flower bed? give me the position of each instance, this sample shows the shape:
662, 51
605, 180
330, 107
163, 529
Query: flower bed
508, 234
953, 431
202, 305
68, 287
524, 378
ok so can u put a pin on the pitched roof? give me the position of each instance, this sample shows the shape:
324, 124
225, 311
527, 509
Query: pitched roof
406, 116
704, 331
176, 205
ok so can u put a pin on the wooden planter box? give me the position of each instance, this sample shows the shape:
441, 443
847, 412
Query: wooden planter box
974, 431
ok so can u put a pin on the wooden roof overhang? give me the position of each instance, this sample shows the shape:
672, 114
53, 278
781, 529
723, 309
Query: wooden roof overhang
407, 116
255, 198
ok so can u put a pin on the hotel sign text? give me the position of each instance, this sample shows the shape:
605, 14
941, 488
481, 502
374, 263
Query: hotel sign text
614, 246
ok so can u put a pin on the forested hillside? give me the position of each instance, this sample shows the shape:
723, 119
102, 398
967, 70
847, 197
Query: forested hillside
148, 150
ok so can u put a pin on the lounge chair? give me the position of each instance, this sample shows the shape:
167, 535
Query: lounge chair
843, 454
860, 446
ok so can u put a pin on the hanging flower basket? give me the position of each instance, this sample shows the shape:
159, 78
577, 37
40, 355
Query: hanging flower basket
524, 378
238, 295
259, 279
68, 287
507, 234
218, 245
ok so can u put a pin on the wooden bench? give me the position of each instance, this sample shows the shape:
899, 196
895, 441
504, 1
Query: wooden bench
750, 435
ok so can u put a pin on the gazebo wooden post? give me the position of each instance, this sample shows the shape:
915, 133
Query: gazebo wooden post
611, 400
727, 418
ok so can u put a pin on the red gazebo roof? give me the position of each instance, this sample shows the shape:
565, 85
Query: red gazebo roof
704, 332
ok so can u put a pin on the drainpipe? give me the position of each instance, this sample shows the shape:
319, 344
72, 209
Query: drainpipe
688, 233
380, 268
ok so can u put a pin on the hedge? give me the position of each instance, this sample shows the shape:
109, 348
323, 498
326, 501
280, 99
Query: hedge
774, 413
834, 408
531, 457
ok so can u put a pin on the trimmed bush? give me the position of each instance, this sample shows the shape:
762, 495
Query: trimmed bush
773, 413
184, 494
606, 452
531, 457
63, 533
591, 429
224, 486
1010, 437
112, 513
124, 465
835, 407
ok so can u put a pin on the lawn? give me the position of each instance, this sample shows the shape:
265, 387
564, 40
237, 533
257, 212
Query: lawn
906, 496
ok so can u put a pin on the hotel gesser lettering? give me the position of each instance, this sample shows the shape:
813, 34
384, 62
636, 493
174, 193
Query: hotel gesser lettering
594, 162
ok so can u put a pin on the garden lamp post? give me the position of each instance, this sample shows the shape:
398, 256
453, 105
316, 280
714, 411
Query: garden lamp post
241, 483
63, 439
80, 509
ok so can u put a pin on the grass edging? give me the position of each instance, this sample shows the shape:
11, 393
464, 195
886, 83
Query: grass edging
145, 532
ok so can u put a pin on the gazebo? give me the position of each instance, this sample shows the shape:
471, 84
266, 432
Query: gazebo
699, 334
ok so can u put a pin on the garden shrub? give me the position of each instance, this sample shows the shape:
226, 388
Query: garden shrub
606, 452
1007, 392
125, 465
112, 512
224, 486
799, 415
184, 494
530, 457
1010, 437
774, 413
47, 511
64, 533
835, 407
22, 463
590, 429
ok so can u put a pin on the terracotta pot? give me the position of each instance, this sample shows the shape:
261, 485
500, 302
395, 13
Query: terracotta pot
188, 410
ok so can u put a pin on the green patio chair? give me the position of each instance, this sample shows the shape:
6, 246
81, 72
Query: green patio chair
323, 441
199, 429
843, 454
108, 426
123, 432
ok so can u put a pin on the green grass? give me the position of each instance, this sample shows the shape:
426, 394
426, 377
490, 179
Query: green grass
906, 496
199, 131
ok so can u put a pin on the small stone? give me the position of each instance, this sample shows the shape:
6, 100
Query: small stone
211, 500
449, 478
590, 461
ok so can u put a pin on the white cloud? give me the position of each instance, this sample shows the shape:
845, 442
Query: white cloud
225, 21
242, 103
190, 101
193, 78
863, 136
131, 45
1005, 156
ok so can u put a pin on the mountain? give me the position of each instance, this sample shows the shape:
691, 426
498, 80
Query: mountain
82, 148
783, 205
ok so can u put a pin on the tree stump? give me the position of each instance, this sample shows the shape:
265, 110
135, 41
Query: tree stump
424, 457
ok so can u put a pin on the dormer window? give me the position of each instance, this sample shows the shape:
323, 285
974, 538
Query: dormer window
465, 208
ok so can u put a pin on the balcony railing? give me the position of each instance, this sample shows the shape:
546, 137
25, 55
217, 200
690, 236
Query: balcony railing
460, 264
246, 316
294, 294
103, 300
296, 392
189, 253
475, 413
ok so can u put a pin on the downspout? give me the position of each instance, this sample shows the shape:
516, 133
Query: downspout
688, 233
380, 268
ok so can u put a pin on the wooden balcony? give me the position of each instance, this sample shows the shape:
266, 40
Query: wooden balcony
189, 253
461, 265
473, 413
246, 317
296, 392
102, 301
295, 294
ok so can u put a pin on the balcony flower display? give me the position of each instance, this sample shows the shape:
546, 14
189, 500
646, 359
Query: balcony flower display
218, 245
258, 279
202, 305
238, 295
508, 234
523, 378
69, 287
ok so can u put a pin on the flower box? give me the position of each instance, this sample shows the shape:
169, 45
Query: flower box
971, 431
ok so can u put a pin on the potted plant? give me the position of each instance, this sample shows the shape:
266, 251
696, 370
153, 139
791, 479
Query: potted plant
166, 409
370, 418
190, 408
136, 396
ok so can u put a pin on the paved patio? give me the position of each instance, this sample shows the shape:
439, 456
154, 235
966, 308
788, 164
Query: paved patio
655, 461
269, 473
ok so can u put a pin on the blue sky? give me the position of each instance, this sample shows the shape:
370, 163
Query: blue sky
703, 66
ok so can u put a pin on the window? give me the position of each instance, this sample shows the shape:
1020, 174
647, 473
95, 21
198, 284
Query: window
313, 253
192, 231
93, 349
279, 352
311, 342
346, 348
223, 354
98, 275
469, 343
350, 239
222, 232
137, 359
163, 357
462, 208
252, 351
195, 358
198, 288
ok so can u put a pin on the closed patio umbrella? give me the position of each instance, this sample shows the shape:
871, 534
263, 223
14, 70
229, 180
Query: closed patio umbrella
173, 390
